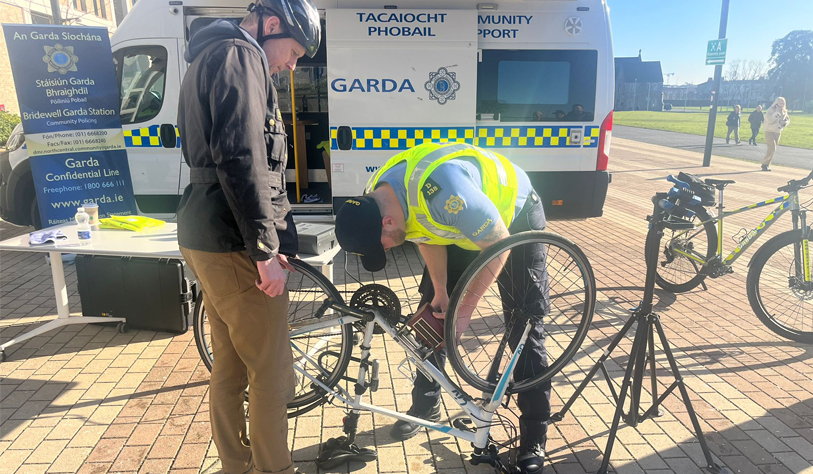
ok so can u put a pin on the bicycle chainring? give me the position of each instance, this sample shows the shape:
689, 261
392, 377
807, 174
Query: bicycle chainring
715, 268
375, 297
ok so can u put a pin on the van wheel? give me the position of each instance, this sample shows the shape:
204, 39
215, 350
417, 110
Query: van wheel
34, 214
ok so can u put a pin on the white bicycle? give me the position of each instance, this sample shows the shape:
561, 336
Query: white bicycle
324, 329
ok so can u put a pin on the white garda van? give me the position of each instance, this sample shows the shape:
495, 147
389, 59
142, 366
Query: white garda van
530, 80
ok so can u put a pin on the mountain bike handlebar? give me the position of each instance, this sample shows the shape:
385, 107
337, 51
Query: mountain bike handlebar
795, 184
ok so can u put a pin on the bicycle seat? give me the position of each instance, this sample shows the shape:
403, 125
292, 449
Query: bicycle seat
719, 183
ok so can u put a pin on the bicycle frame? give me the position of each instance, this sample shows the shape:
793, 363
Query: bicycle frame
788, 202
481, 416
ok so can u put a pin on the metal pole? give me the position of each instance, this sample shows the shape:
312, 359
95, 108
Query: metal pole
718, 73
55, 12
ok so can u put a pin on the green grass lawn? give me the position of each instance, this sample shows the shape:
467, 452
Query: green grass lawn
798, 134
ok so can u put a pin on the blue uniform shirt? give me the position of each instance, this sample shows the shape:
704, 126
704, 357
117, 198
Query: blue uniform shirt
460, 201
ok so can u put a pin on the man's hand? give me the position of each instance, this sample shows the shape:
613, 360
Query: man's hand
439, 304
283, 260
272, 276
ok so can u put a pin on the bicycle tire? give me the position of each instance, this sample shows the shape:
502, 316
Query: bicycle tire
680, 264
315, 396
765, 280
450, 326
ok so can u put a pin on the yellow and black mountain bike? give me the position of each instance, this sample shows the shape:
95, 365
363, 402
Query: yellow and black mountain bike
779, 283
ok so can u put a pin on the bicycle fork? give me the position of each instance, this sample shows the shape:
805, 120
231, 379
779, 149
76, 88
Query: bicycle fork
802, 255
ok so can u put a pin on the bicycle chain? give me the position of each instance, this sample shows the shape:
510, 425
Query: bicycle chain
320, 335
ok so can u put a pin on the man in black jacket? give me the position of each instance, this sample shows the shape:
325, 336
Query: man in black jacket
235, 227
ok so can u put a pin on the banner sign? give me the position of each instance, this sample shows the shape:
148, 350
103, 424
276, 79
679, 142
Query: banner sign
69, 105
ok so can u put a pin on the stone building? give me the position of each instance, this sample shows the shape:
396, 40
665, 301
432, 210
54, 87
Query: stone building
638, 84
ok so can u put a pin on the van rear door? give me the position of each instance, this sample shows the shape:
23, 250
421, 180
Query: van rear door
397, 78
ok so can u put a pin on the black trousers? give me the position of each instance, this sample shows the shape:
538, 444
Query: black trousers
523, 286
754, 133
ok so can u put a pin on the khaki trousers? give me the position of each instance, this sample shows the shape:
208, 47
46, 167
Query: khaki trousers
771, 139
250, 347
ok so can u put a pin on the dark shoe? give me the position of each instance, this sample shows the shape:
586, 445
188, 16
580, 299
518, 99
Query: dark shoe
765, 168
726, 141
404, 430
531, 454
738, 142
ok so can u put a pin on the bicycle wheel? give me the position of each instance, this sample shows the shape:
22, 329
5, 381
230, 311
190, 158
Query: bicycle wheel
324, 353
677, 273
544, 275
777, 290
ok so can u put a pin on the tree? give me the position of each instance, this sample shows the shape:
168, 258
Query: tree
754, 70
792, 66
734, 70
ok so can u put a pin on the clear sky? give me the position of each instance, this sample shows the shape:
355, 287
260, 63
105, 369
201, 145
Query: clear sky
676, 32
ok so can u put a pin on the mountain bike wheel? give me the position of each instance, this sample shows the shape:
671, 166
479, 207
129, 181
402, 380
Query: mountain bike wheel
678, 273
544, 276
777, 290
324, 353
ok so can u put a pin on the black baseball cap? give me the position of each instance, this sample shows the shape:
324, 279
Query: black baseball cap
358, 229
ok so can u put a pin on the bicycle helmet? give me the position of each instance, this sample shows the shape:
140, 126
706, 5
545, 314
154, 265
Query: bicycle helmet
299, 17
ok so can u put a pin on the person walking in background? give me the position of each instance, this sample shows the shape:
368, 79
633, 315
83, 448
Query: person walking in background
733, 123
776, 118
756, 118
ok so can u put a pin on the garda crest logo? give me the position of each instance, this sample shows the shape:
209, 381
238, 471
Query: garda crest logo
442, 85
454, 204
60, 58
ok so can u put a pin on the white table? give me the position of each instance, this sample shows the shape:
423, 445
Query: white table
161, 242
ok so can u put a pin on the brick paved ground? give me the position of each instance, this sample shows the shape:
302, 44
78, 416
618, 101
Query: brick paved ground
87, 399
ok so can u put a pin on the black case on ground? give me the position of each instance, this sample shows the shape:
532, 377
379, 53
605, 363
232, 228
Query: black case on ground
150, 293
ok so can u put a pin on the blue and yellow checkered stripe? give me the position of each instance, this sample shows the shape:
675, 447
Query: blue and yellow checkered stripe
378, 138
386, 138
148, 137
591, 136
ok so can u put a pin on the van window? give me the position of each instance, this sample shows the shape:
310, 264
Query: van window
310, 85
141, 72
537, 86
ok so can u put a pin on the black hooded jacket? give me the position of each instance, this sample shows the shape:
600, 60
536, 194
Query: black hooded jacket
234, 140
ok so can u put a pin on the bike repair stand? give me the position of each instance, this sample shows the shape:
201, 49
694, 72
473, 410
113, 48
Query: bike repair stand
643, 348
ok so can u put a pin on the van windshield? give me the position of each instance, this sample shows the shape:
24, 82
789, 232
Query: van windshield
537, 86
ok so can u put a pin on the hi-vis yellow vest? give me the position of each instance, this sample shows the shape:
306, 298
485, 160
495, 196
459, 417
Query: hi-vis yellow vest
499, 184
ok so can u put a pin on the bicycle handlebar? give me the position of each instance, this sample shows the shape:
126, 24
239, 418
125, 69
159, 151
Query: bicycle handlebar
795, 184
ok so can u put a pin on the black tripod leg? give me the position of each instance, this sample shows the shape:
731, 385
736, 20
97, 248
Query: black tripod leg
653, 374
600, 363
710, 464
639, 361
638, 345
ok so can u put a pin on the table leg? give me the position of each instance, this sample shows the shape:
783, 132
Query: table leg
327, 270
60, 289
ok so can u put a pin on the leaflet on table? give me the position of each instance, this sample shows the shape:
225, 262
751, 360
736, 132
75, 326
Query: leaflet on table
69, 105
